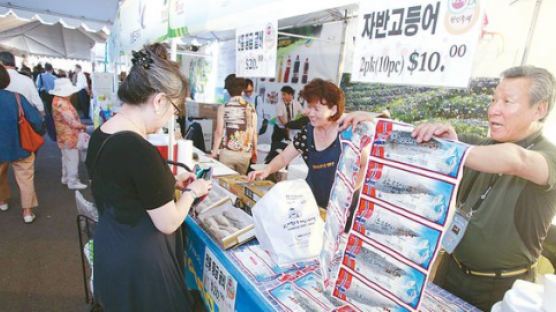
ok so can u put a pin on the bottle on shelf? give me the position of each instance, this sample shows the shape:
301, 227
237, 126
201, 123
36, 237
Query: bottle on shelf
295, 78
280, 70
305, 76
287, 71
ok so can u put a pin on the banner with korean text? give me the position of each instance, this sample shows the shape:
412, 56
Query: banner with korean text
256, 50
417, 42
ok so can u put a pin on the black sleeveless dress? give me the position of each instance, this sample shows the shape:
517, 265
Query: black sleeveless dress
136, 267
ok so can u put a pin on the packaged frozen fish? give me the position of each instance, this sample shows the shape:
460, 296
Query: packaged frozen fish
348, 164
360, 136
341, 195
423, 196
228, 225
384, 271
353, 290
412, 240
256, 263
291, 299
393, 141
311, 284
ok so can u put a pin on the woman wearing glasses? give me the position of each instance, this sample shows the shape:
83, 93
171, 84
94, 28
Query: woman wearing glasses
138, 245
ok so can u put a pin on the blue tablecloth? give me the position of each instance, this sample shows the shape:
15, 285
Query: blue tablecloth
226, 284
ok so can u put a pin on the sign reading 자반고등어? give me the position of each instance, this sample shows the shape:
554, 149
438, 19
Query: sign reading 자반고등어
418, 42
256, 48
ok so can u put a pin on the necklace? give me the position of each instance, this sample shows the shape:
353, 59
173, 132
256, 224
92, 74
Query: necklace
142, 133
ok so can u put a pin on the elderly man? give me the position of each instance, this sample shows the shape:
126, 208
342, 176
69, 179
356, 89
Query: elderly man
507, 197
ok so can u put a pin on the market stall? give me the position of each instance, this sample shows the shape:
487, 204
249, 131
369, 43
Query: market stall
247, 275
405, 205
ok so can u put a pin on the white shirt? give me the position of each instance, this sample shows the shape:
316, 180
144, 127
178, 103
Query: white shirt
81, 82
25, 86
282, 111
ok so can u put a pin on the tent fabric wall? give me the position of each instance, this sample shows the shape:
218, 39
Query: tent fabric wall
56, 28
50, 40
91, 15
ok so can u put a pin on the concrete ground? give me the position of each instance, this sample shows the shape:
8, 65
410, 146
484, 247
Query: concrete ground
40, 263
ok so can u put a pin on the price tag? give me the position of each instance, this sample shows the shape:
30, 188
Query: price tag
218, 283
417, 42
256, 48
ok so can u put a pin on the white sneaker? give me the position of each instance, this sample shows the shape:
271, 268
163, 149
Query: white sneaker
29, 219
4, 207
64, 180
76, 185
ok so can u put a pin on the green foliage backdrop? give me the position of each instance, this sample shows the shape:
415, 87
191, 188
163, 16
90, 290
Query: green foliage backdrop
465, 109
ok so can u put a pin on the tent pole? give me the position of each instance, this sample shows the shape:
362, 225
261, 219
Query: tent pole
172, 122
342, 50
283, 33
531, 33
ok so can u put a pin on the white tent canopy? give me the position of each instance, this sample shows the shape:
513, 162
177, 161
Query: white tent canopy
57, 28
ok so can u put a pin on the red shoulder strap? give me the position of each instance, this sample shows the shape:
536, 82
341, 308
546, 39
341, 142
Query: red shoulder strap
18, 100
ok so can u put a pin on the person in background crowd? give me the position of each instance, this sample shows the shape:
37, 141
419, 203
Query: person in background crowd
23, 162
37, 70
19, 83
62, 74
249, 94
68, 126
235, 137
318, 143
45, 80
508, 190
25, 70
83, 93
138, 242
122, 76
286, 111
45, 83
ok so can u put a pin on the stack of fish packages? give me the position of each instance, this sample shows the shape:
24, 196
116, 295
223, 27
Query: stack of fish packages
403, 194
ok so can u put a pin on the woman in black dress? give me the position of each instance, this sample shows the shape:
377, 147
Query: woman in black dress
138, 261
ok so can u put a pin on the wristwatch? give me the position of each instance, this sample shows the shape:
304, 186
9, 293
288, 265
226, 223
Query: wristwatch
195, 196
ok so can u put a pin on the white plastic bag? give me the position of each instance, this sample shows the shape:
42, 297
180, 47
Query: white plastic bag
83, 141
288, 223
83, 144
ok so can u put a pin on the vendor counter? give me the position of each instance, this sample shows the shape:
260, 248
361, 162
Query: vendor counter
246, 279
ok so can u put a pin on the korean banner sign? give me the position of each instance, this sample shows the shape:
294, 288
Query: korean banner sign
417, 42
256, 50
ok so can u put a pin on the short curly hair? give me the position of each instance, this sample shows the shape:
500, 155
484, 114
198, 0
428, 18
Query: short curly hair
327, 93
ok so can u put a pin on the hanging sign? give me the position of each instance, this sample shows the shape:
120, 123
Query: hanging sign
256, 48
417, 42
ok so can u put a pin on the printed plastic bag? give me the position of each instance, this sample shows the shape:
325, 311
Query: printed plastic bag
83, 144
288, 223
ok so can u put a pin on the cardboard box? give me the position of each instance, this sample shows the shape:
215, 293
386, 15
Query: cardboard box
235, 184
256, 190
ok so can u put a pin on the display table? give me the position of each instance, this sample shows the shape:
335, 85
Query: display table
243, 279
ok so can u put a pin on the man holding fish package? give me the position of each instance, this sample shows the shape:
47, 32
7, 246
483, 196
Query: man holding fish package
507, 197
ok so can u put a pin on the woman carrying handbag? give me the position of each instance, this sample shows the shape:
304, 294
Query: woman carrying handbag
11, 149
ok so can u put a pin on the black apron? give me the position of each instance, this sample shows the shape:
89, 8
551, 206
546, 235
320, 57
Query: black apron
322, 167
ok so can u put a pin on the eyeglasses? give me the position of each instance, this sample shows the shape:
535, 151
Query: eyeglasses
177, 108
